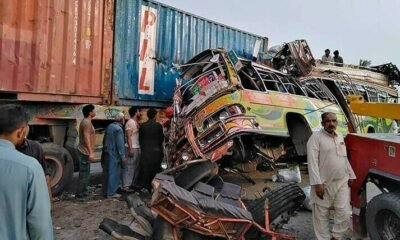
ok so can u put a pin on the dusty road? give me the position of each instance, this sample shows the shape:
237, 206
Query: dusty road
74, 219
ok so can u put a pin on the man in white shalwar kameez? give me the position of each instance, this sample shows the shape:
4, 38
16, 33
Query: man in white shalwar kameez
330, 178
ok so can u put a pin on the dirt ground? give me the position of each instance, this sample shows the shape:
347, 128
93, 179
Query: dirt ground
73, 219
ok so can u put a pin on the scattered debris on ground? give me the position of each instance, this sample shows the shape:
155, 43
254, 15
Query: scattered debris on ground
75, 219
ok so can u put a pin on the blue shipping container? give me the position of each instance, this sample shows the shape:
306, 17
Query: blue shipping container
149, 37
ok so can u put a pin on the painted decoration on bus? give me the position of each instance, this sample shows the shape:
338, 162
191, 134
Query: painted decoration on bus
204, 81
147, 55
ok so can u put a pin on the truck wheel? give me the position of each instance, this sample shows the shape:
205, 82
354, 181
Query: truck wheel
383, 217
60, 166
283, 200
190, 235
74, 154
196, 173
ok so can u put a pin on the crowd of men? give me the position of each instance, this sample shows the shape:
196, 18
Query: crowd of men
132, 152
131, 164
25, 194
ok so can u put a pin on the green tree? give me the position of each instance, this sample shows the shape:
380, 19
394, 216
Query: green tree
365, 63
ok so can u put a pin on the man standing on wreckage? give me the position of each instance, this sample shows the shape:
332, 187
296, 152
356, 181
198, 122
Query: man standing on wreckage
330, 178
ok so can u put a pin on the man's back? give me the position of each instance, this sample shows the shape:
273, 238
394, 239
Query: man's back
113, 141
24, 199
151, 134
338, 61
133, 126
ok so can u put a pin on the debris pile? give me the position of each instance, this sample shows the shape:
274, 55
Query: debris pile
176, 213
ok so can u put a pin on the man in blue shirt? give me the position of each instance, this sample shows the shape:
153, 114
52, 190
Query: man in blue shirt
24, 198
113, 157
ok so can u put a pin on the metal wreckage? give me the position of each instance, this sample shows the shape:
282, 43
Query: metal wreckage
228, 111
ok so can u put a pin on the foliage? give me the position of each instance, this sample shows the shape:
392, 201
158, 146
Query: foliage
365, 63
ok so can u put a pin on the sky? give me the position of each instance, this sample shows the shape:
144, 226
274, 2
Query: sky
359, 29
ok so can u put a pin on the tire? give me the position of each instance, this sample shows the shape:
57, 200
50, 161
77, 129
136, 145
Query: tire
74, 154
72, 136
383, 217
284, 199
162, 230
60, 166
195, 173
189, 235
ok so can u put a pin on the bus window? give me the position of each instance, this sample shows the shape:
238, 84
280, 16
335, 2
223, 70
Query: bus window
270, 81
250, 80
382, 96
361, 91
317, 89
345, 87
372, 94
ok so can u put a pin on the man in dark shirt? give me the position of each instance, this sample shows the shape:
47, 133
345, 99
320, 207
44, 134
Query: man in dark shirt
151, 139
33, 149
337, 59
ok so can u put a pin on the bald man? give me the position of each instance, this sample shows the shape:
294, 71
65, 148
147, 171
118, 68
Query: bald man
330, 178
113, 157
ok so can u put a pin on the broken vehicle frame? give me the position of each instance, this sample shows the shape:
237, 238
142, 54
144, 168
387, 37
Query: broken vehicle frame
294, 58
181, 215
345, 81
234, 111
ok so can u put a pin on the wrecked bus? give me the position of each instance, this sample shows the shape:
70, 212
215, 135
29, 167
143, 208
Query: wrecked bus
230, 110
374, 84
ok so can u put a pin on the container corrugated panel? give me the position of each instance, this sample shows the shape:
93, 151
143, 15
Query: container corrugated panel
150, 37
53, 50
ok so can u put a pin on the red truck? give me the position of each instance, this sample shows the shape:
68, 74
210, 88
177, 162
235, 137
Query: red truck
375, 158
